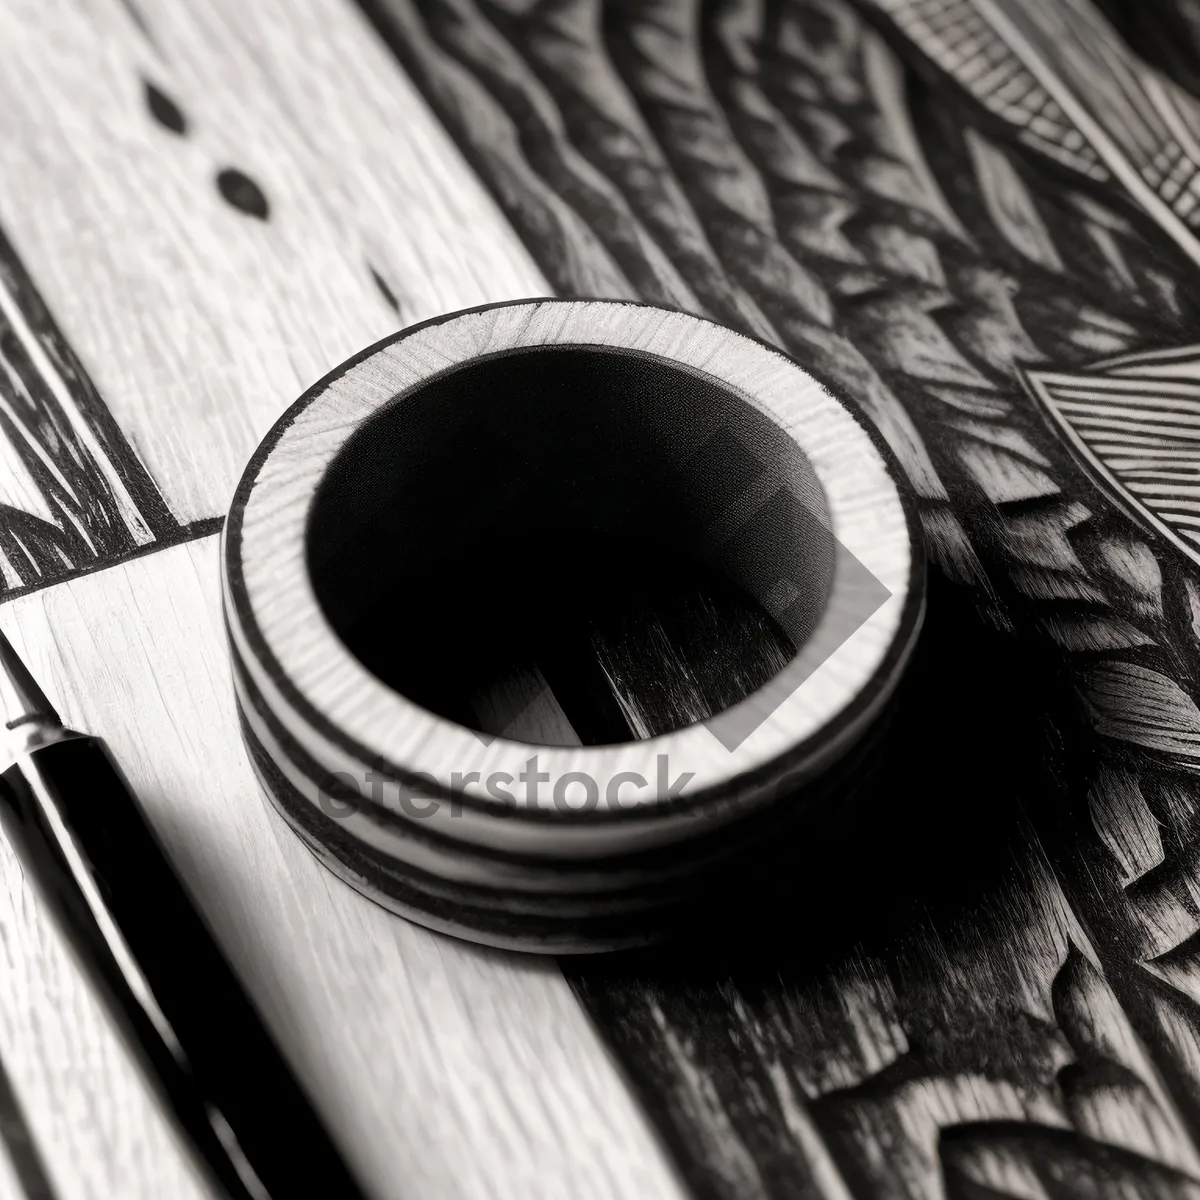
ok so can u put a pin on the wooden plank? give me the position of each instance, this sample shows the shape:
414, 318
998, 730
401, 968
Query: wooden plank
442, 1068
175, 299
200, 303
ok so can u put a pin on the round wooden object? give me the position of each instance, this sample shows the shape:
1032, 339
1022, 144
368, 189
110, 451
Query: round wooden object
557, 415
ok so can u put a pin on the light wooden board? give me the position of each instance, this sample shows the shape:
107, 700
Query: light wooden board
443, 1070
179, 303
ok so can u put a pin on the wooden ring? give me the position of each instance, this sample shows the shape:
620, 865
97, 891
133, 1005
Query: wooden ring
516, 866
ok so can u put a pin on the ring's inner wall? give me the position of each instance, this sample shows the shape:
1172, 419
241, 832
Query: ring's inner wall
566, 544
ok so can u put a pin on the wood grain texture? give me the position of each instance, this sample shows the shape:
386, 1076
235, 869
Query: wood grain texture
808, 168
990, 992
76, 493
178, 299
442, 1069
217, 206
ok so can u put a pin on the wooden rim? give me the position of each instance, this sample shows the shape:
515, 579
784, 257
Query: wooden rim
349, 721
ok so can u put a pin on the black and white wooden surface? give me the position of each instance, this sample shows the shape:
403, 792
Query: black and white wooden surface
975, 218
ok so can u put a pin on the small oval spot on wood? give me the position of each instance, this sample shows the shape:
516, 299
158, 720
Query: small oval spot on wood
243, 193
386, 292
164, 110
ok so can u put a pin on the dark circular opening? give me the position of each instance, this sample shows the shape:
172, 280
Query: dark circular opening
571, 544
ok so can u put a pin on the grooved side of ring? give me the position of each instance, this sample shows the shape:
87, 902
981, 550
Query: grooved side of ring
323, 730
425, 853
